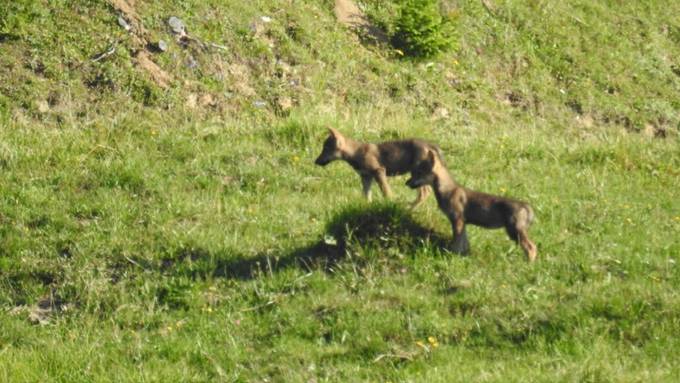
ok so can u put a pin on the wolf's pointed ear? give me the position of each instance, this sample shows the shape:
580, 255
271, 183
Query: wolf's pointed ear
430, 157
339, 138
334, 133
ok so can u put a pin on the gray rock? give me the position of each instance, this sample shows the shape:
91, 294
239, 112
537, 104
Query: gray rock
177, 25
123, 23
162, 45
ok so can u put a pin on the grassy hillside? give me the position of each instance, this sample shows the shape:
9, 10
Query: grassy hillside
161, 218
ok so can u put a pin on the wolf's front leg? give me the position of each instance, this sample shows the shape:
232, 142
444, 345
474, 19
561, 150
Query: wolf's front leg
423, 192
461, 245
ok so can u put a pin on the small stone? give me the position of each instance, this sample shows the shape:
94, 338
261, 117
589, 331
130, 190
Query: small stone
259, 104
177, 26
43, 106
266, 19
123, 23
162, 45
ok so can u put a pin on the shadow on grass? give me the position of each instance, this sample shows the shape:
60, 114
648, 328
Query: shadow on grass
378, 226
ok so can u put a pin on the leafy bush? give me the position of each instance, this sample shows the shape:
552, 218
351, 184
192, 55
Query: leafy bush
15, 16
420, 29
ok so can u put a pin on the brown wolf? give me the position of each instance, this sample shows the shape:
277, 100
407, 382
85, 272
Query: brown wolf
463, 206
375, 162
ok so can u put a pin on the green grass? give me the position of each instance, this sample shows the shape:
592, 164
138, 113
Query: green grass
200, 243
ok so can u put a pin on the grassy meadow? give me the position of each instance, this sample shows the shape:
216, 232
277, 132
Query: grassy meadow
171, 224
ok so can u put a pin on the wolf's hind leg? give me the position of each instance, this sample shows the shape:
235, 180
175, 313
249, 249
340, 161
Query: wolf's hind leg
366, 182
528, 246
517, 231
381, 178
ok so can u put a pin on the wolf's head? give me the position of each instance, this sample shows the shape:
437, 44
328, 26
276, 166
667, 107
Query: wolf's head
423, 174
332, 148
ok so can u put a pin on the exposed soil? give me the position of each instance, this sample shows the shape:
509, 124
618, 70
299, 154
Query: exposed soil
161, 77
348, 13
127, 8
142, 56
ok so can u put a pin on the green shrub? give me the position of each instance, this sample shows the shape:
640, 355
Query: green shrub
420, 29
12, 19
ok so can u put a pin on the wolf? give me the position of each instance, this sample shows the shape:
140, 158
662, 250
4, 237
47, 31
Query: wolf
376, 162
462, 205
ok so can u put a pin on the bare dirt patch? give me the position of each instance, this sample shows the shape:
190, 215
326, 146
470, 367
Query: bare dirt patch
161, 77
348, 13
142, 56
126, 7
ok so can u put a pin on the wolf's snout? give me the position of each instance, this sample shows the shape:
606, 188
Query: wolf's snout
321, 161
